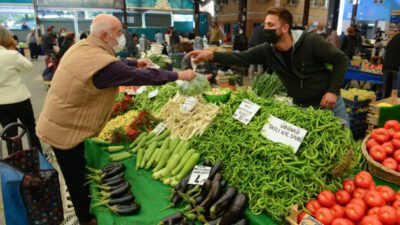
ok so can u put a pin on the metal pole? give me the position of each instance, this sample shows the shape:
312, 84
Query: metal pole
125, 14
196, 17
35, 9
306, 12
354, 13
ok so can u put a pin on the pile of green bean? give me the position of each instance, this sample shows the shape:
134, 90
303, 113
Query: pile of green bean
270, 174
268, 85
154, 105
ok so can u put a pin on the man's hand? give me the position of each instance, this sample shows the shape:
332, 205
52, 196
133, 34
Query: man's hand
201, 56
186, 75
209, 76
142, 63
329, 100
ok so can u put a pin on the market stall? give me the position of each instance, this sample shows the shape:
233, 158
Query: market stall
233, 128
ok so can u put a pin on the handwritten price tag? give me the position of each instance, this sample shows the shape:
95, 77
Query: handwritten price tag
246, 111
189, 104
160, 128
199, 175
278, 130
153, 93
141, 90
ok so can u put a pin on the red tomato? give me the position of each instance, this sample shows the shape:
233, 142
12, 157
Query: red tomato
388, 147
374, 212
392, 125
398, 215
381, 135
369, 220
396, 204
371, 143
354, 212
342, 221
390, 163
378, 153
301, 216
337, 211
359, 193
313, 206
324, 215
349, 185
398, 168
326, 198
396, 140
358, 201
372, 187
374, 199
233, 88
342, 197
387, 193
387, 215
363, 179
396, 155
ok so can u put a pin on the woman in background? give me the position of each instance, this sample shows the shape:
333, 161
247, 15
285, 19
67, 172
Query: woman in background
15, 103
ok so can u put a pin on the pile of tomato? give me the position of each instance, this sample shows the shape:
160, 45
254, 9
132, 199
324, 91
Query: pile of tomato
360, 202
384, 145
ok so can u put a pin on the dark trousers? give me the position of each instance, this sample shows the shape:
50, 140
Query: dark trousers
389, 82
72, 164
22, 111
34, 50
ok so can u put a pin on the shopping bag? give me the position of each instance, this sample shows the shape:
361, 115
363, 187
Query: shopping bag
30, 187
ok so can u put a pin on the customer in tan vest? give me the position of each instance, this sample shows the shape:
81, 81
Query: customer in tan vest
81, 97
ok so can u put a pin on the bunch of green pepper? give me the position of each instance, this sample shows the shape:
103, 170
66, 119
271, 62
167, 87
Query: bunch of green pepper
154, 105
272, 176
268, 85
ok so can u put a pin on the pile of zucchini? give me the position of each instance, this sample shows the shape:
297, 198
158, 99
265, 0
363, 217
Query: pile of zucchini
114, 191
209, 203
171, 158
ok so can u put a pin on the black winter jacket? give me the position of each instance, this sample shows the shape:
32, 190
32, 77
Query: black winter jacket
310, 78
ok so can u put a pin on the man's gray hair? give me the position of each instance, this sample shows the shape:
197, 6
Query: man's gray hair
97, 28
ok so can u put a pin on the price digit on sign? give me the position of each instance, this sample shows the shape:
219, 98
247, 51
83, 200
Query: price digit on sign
199, 175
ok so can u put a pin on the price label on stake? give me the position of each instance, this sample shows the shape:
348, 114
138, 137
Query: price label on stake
246, 111
199, 175
141, 90
153, 93
278, 130
189, 104
160, 128
309, 220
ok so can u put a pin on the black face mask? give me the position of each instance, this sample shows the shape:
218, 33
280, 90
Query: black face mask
271, 36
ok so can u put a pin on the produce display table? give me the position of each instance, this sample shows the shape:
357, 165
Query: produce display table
152, 195
362, 78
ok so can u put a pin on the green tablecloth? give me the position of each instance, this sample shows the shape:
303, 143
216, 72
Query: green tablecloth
150, 194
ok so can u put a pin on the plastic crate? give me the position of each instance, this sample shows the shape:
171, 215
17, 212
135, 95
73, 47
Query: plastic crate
358, 116
355, 103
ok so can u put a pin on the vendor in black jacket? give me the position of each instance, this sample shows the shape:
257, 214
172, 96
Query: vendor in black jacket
299, 58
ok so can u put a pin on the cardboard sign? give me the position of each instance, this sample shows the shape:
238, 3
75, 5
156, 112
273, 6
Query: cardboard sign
246, 111
199, 175
280, 131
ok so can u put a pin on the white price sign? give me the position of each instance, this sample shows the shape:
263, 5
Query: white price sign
309, 220
153, 93
280, 131
130, 92
141, 90
246, 111
199, 175
160, 128
189, 104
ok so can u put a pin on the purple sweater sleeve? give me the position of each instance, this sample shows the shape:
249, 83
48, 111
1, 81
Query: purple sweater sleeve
125, 73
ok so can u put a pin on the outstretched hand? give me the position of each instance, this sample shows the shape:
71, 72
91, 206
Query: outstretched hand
199, 56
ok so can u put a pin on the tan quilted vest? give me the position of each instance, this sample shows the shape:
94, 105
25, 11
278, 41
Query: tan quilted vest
74, 108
